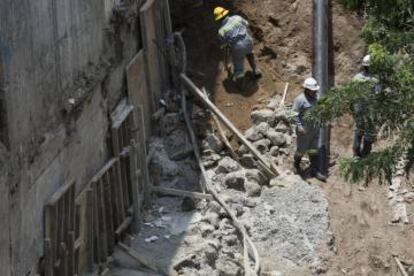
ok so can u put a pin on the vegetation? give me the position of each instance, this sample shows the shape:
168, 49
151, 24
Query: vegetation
389, 32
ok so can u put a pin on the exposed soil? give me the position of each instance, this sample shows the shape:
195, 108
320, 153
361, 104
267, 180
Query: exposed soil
360, 219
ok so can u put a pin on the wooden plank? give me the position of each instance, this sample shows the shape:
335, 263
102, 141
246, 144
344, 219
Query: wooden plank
63, 257
134, 183
121, 113
89, 223
139, 257
97, 225
119, 185
400, 267
71, 253
51, 231
114, 198
182, 193
123, 226
102, 218
143, 156
60, 192
149, 35
104, 169
138, 91
109, 211
48, 257
125, 183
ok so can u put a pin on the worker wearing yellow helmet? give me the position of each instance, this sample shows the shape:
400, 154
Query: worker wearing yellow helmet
237, 42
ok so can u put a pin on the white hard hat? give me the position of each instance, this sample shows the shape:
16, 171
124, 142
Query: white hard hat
366, 61
311, 84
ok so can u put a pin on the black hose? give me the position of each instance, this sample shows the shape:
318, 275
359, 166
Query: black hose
321, 73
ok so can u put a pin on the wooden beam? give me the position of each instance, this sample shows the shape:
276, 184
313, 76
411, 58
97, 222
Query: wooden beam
271, 169
181, 193
138, 257
400, 266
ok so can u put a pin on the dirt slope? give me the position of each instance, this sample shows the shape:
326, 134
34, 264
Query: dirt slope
283, 33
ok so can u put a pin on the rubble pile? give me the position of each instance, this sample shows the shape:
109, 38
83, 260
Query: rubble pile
286, 217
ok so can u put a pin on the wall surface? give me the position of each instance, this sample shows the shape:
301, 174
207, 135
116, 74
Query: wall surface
62, 72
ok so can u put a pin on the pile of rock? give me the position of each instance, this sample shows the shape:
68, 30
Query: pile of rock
271, 134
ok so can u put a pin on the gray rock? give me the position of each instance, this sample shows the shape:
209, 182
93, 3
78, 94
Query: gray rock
162, 162
211, 255
227, 165
230, 240
188, 204
284, 151
282, 127
170, 122
212, 218
274, 102
274, 151
286, 181
281, 116
257, 176
318, 267
251, 203
253, 135
264, 115
252, 189
262, 128
227, 267
262, 145
248, 161
291, 222
235, 180
243, 150
409, 197
289, 139
206, 229
277, 138
212, 142
210, 159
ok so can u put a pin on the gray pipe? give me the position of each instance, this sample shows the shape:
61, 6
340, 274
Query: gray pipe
321, 71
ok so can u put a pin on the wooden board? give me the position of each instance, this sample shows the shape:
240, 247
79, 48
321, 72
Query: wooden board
155, 28
138, 91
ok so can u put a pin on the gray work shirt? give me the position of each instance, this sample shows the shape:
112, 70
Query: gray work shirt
301, 105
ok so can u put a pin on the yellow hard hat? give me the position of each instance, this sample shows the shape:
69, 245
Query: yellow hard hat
220, 12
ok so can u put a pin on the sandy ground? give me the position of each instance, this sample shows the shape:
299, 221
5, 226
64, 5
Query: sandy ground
282, 29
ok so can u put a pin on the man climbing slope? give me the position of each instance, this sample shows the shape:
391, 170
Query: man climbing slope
306, 131
364, 135
236, 42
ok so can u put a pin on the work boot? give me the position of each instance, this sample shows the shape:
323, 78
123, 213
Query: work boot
241, 83
296, 164
252, 62
366, 149
314, 171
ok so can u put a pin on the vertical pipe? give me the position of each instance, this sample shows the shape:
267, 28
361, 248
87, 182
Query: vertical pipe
321, 72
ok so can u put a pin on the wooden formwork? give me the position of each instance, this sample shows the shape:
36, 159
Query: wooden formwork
60, 227
82, 231
156, 30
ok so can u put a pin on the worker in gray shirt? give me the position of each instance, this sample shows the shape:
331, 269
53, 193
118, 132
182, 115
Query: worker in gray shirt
307, 132
365, 132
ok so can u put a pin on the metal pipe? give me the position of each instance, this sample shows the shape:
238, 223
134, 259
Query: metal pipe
321, 72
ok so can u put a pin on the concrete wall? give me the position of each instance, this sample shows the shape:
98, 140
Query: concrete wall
62, 71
